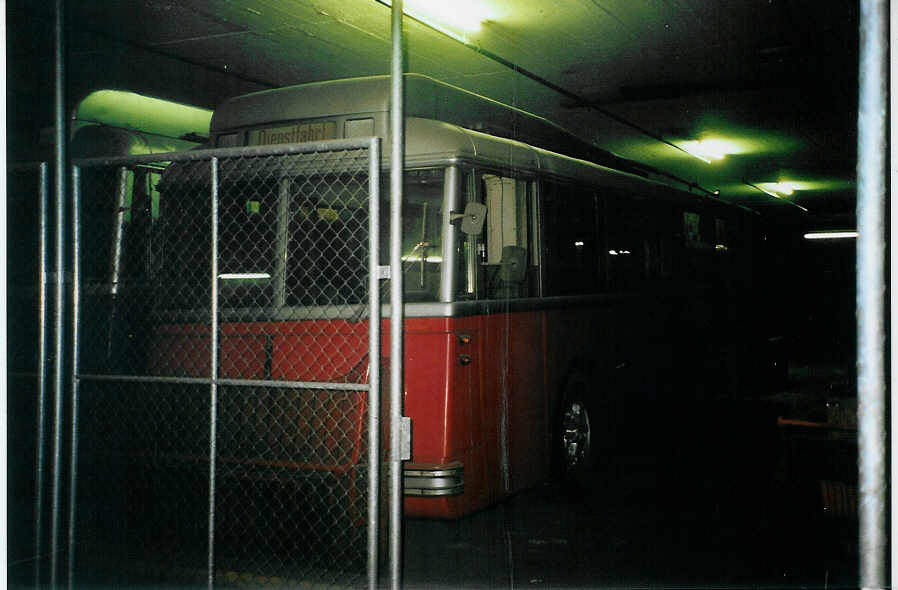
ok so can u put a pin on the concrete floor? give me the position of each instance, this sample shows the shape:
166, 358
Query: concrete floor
709, 499
717, 504
642, 534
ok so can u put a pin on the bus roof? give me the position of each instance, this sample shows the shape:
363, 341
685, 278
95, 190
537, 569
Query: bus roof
431, 142
143, 114
97, 141
444, 122
425, 98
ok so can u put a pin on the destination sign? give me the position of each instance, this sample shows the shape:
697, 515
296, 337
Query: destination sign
296, 133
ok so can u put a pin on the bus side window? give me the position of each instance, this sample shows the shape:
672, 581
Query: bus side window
699, 234
138, 254
630, 247
466, 260
511, 262
118, 206
658, 233
572, 244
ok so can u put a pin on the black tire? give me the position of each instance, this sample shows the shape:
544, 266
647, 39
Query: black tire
575, 439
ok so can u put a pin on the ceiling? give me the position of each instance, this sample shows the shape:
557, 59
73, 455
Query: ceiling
775, 79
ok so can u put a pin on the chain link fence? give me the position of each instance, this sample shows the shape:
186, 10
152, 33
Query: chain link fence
226, 369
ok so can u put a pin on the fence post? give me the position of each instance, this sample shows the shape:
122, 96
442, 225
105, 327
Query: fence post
871, 172
397, 160
373, 361
44, 261
76, 331
61, 138
213, 373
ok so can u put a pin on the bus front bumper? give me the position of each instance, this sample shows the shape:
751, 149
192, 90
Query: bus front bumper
427, 479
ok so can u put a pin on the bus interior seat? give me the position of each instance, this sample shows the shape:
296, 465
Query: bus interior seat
508, 281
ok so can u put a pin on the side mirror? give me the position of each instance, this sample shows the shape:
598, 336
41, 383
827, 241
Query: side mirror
472, 219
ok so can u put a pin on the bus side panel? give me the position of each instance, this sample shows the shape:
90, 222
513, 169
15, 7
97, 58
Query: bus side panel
442, 399
299, 351
426, 389
242, 356
180, 351
515, 389
467, 359
316, 350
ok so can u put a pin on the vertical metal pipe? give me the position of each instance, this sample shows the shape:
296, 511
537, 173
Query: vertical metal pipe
118, 230
397, 160
76, 331
115, 258
213, 373
282, 241
893, 81
449, 279
59, 315
871, 171
373, 360
44, 261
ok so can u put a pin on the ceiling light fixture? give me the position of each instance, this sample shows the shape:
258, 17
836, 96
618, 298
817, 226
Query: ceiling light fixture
773, 193
710, 149
455, 19
244, 276
830, 235
782, 188
768, 191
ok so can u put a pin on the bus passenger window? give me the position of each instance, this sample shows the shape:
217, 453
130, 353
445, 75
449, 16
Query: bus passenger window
631, 253
327, 241
510, 262
571, 236
119, 203
246, 244
466, 260
699, 233
421, 233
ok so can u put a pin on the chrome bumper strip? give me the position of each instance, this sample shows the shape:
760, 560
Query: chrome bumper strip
436, 480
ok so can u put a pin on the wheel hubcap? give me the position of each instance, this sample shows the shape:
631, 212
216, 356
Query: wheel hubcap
575, 433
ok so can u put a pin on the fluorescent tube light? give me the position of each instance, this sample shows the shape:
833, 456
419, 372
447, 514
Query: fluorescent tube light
243, 276
830, 235
454, 19
709, 150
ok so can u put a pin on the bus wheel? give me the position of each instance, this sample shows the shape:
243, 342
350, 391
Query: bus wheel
575, 440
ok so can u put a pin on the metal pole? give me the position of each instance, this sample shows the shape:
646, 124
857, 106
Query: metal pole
451, 202
41, 373
397, 160
871, 171
893, 79
76, 330
59, 318
115, 257
213, 373
373, 360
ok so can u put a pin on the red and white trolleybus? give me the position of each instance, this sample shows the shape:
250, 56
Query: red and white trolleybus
594, 291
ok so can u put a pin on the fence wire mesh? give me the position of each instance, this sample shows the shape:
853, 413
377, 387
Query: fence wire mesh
272, 382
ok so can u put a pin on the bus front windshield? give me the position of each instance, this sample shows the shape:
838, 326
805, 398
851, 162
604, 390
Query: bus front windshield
294, 241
